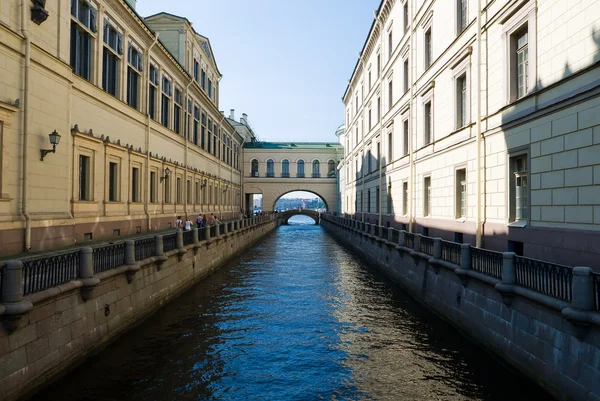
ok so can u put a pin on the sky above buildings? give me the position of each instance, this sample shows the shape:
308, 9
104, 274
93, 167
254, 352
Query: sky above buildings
285, 63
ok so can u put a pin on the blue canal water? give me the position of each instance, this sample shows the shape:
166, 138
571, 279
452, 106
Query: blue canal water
296, 317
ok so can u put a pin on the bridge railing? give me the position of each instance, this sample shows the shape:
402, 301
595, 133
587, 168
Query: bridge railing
487, 262
544, 277
43, 272
451, 252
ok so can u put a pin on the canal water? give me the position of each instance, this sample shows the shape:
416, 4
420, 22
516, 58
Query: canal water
296, 317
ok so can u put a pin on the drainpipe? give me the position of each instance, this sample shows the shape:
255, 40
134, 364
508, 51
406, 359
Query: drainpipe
478, 219
27, 67
379, 220
147, 139
186, 140
411, 127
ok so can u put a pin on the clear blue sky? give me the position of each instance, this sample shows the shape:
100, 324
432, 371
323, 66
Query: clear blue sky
285, 63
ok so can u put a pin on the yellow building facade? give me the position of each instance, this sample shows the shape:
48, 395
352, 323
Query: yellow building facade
141, 136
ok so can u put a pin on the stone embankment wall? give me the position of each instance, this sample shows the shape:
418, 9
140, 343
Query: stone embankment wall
66, 323
554, 343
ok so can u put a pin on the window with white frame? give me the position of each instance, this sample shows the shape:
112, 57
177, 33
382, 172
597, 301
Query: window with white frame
83, 33
428, 48
152, 91
517, 32
461, 101
390, 42
111, 58
390, 92
136, 187
405, 14
461, 193
405, 137
153, 187
427, 196
519, 187
462, 18
177, 111
521, 57
378, 108
113, 181
196, 69
390, 145
390, 204
165, 107
134, 77
405, 75
85, 177
427, 123
405, 198
178, 196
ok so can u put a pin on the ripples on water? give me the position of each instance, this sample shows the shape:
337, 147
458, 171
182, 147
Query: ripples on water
297, 317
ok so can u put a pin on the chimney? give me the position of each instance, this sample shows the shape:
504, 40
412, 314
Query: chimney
244, 119
232, 114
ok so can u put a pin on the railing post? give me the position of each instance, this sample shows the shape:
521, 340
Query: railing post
207, 232
579, 312
225, 228
402, 238
195, 235
132, 265
417, 243
437, 248
509, 278
217, 230
465, 256
12, 295
179, 239
86, 273
159, 252
390, 234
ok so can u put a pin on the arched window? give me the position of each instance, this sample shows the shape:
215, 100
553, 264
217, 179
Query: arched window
285, 168
330, 168
254, 168
316, 169
300, 173
270, 168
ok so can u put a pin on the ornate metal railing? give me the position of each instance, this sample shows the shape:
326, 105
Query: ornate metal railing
426, 245
145, 248
108, 257
188, 237
451, 252
202, 234
213, 231
169, 242
409, 240
544, 277
395, 235
376, 230
596, 281
49, 271
1, 277
487, 262
384, 232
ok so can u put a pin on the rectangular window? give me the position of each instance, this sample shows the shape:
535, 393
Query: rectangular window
368, 201
135, 185
461, 101
203, 80
461, 193
378, 64
462, 15
210, 88
390, 93
197, 195
152, 91
390, 44
370, 85
369, 119
188, 191
203, 132
134, 70
405, 135
113, 182
178, 196
378, 109
427, 196
153, 187
405, 12
405, 198
390, 205
390, 147
177, 112
85, 177
405, 71
428, 48
83, 28
167, 92
377, 199
196, 68
111, 58
377, 156
368, 161
167, 189
522, 64
519, 188
427, 121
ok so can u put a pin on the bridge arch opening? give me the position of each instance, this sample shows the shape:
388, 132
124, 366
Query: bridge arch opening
300, 199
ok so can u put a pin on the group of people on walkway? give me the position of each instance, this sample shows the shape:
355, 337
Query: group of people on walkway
201, 222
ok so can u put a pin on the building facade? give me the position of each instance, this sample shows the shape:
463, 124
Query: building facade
135, 102
479, 122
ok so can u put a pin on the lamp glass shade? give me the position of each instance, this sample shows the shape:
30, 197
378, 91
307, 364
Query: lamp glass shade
54, 138
167, 172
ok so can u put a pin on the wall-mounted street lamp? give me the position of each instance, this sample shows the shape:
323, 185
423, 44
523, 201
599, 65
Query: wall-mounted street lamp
54, 140
166, 173
203, 184
39, 13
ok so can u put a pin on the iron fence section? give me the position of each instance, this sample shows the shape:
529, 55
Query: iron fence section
375, 231
145, 248
544, 277
222, 227
108, 257
395, 235
1, 277
426, 245
169, 242
49, 271
213, 231
451, 252
188, 238
384, 232
487, 262
409, 240
201, 234
596, 281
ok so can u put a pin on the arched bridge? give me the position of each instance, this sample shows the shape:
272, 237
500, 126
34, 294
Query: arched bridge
316, 216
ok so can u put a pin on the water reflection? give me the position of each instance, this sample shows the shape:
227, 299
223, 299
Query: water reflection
295, 318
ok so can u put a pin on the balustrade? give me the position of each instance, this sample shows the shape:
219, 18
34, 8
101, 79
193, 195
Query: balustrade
169, 242
487, 262
451, 252
546, 278
427, 245
144, 248
49, 271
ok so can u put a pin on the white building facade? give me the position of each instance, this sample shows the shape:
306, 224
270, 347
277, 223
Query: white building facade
480, 123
